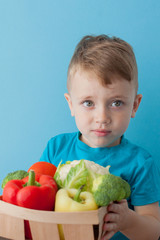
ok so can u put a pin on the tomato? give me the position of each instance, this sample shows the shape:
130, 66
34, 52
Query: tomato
45, 168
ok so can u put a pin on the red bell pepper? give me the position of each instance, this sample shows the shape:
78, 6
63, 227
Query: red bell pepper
39, 194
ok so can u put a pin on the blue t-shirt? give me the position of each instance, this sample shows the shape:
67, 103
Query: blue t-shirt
132, 163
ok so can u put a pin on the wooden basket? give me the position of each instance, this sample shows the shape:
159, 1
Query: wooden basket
44, 224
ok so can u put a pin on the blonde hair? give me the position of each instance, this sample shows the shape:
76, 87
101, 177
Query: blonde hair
107, 57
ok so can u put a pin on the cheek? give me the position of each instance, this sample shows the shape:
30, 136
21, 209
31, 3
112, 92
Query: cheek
82, 120
125, 124
122, 121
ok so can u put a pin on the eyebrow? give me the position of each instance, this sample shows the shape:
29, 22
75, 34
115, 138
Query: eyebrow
120, 96
116, 96
110, 98
85, 97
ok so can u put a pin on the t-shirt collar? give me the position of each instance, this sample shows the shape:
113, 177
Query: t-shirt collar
84, 146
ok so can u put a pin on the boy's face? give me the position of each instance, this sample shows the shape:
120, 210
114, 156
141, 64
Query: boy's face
102, 113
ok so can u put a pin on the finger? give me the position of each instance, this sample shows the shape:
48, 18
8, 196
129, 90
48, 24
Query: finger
107, 227
111, 217
115, 207
107, 235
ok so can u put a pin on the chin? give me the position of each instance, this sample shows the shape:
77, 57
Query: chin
108, 144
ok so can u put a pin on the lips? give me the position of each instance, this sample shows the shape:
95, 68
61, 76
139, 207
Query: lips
101, 132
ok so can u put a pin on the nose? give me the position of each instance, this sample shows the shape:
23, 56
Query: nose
103, 116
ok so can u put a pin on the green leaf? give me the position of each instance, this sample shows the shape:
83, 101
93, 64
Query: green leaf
77, 176
57, 175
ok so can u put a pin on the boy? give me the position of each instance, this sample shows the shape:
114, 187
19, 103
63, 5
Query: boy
102, 96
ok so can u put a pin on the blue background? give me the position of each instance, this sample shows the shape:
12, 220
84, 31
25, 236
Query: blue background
37, 40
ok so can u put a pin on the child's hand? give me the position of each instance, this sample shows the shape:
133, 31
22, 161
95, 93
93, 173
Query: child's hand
116, 219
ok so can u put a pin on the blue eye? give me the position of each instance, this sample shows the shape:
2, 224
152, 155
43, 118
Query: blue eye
117, 103
88, 103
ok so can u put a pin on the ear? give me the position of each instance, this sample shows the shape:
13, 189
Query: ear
137, 101
68, 98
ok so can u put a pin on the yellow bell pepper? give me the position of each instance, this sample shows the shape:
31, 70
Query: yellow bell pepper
65, 201
73, 200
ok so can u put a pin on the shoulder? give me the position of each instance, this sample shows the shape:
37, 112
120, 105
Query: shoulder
134, 151
136, 161
142, 174
63, 138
